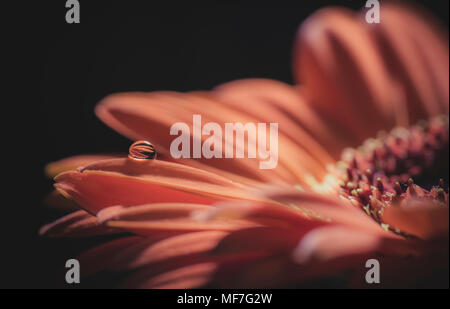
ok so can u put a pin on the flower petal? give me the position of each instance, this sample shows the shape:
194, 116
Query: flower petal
151, 273
421, 218
271, 215
72, 163
330, 209
150, 116
99, 257
149, 212
162, 251
95, 192
281, 103
344, 76
58, 201
129, 182
177, 226
415, 51
77, 224
265, 240
188, 277
327, 243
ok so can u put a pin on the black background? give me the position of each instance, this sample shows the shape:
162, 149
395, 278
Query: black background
56, 73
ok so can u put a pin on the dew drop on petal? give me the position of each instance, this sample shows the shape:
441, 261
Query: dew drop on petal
142, 150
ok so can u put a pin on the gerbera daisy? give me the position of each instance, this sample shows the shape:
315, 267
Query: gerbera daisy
362, 170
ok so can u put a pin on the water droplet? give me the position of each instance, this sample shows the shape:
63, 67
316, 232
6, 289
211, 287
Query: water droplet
142, 150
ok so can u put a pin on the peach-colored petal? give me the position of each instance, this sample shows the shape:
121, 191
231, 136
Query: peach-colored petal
415, 51
162, 251
281, 99
150, 115
280, 103
338, 242
72, 163
188, 277
177, 226
424, 219
272, 215
330, 209
376, 75
331, 242
99, 257
59, 202
226, 100
266, 240
149, 212
207, 245
135, 252
165, 219
167, 173
344, 75
129, 182
77, 224
147, 273
95, 192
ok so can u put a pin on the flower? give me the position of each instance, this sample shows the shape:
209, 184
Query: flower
363, 143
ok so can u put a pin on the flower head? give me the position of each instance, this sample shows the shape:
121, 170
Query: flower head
362, 170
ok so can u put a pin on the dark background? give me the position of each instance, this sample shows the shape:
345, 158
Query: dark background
60, 71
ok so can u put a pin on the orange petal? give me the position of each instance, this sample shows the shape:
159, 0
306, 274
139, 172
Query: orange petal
150, 116
415, 51
162, 251
266, 240
95, 192
421, 218
169, 174
281, 103
287, 169
188, 277
281, 99
330, 209
58, 201
165, 219
328, 243
341, 243
152, 273
177, 226
129, 182
344, 76
99, 257
72, 163
265, 214
77, 224
149, 212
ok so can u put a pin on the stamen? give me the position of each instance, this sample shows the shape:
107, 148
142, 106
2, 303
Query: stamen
398, 188
396, 168
380, 186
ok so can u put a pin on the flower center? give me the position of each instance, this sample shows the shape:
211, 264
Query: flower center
403, 165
